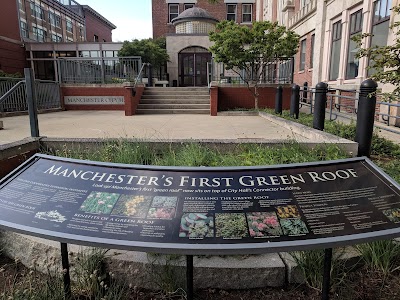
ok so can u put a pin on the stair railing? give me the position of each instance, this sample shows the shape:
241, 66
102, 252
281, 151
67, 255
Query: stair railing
139, 77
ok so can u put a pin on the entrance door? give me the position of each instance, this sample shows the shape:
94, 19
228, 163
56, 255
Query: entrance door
193, 69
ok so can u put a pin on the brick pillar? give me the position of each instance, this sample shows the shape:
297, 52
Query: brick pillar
132, 101
214, 100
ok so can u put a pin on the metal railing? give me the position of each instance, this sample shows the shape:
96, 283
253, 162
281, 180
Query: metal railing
277, 72
99, 70
346, 106
47, 95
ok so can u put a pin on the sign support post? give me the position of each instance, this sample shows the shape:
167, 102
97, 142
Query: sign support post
189, 276
65, 266
326, 283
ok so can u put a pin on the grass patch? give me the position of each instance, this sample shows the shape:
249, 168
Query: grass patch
195, 154
384, 152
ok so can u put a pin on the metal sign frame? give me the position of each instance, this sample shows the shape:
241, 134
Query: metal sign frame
199, 249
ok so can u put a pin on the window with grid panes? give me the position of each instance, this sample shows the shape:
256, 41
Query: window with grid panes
24, 29
335, 50
55, 20
231, 12
39, 34
37, 11
303, 45
356, 21
247, 13
173, 11
69, 26
380, 25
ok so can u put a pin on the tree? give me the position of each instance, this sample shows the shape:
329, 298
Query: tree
251, 49
384, 60
151, 51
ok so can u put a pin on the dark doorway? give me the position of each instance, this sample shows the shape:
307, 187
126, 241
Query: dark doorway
193, 66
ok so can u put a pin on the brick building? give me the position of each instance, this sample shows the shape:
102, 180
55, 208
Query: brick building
98, 28
163, 11
46, 21
186, 24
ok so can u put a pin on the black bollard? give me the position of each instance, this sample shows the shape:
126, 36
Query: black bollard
295, 102
278, 100
150, 74
32, 101
366, 117
319, 106
305, 91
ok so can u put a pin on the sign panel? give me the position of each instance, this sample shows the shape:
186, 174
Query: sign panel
93, 100
201, 210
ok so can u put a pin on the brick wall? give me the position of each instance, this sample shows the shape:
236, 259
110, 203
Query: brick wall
160, 14
12, 53
301, 76
9, 25
12, 57
240, 97
94, 26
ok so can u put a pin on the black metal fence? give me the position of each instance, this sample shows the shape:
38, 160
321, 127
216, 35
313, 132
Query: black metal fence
99, 70
278, 72
344, 104
47, 95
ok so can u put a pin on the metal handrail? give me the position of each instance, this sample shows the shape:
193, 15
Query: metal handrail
10, 91
139, 75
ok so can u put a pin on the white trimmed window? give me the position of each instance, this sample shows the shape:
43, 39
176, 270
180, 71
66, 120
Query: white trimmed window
24, 29
55, 20
303, 45
69, 26
231, 12
37, 11
39, 34
173, 11
247, 13
56, 38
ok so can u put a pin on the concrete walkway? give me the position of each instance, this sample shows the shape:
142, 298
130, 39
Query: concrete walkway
114, 124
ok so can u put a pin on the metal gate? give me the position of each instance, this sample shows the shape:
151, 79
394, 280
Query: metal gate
47, 95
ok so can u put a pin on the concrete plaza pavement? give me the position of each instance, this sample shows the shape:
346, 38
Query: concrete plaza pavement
114, 124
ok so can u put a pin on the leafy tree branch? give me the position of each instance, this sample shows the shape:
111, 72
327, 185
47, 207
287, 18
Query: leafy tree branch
249, 50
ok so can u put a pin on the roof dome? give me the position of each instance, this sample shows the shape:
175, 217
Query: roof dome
194, 14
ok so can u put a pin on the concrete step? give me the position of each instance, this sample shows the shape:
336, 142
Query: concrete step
176, 89
173, 97
173, 106
175, 101
160, 100
171, 111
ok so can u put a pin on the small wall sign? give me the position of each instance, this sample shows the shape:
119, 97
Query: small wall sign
93, 100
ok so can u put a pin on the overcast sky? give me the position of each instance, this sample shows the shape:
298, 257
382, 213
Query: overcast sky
132, 17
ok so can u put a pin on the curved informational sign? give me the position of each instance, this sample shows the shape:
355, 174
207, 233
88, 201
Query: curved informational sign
201, 210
